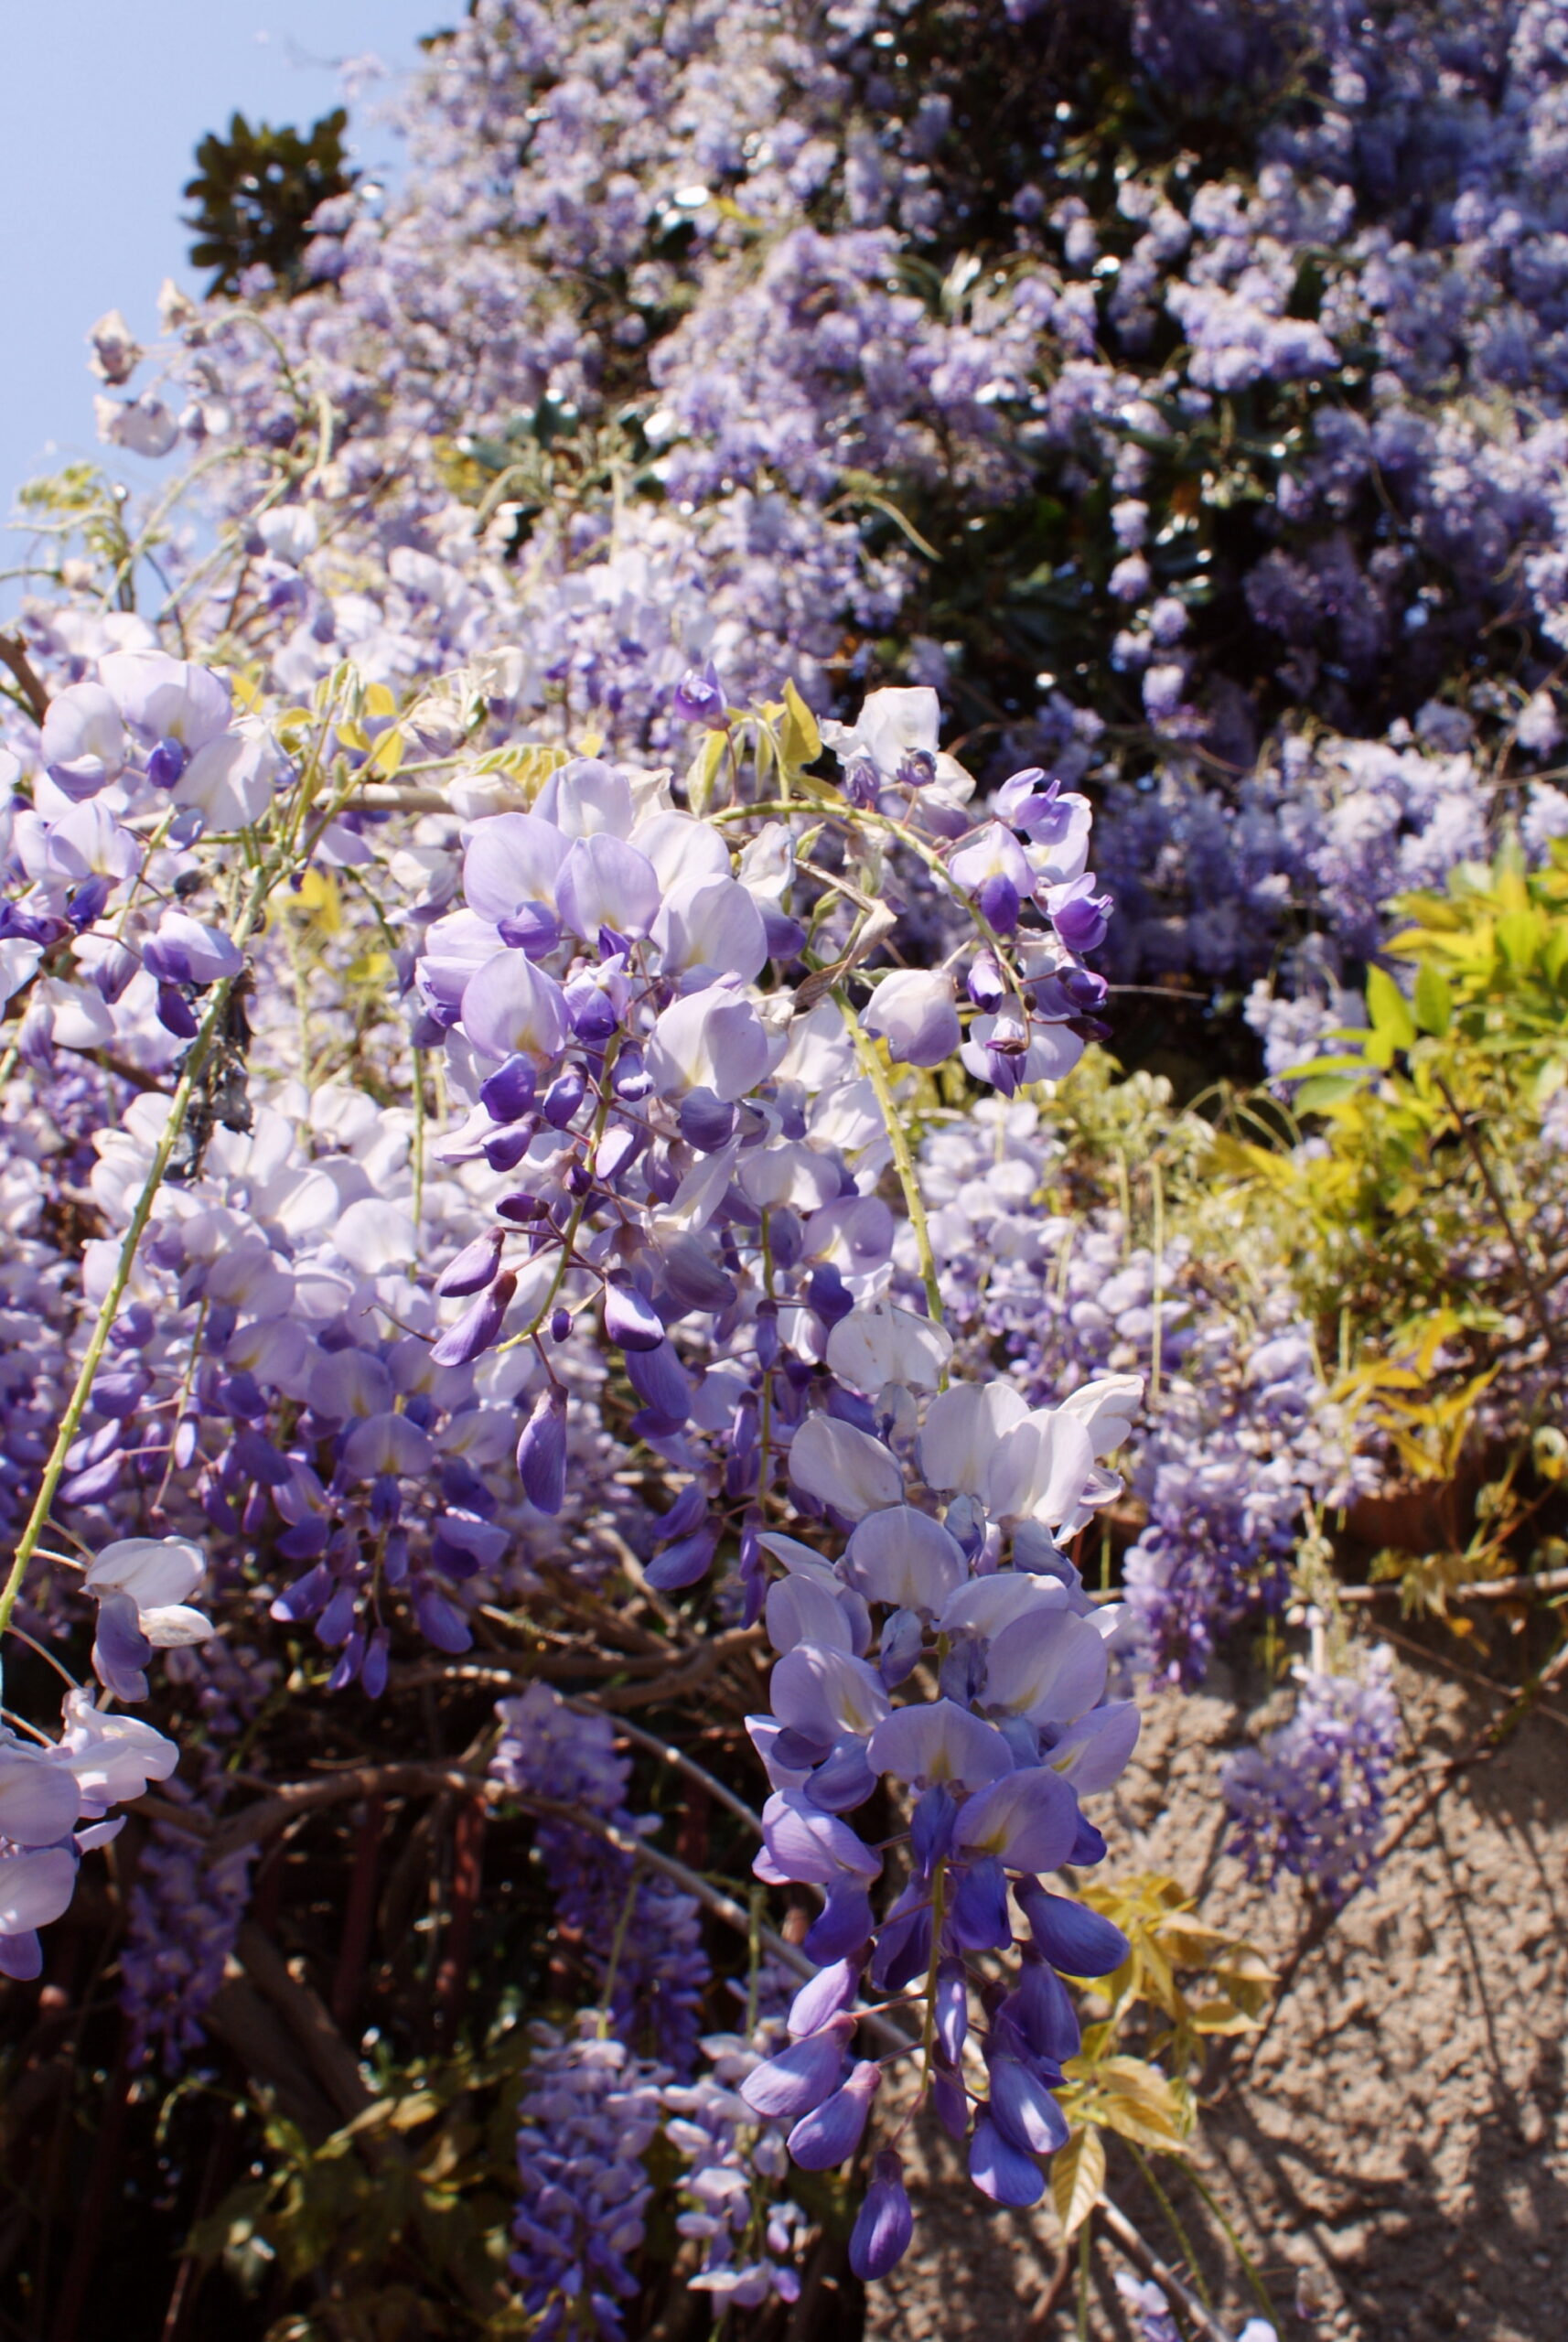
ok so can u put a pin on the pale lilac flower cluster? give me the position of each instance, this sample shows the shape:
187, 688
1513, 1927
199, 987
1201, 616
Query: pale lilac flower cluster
1311, 1800
760, 265
737, 2169
567, 1224
48, 1789
952, 1511
589, 2111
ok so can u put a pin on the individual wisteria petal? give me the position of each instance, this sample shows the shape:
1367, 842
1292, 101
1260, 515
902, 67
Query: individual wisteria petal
113, 1756
1003, 2170
1022, 2108
83, 740
510, 861
802, 2075
660, 1380
1093, 1754
440, 1622
604, 882
978, 1917
988, 1606
711, 924
931, 1827
1039, 1468
844, 1468
843, 1925
822, 1691
630, 1318
386, 1443
121, 1649
940, 1744
901, 1556
167, 699
830, 2134
1050, 1667
228, 781
1029, 1819
879, 1343
914, 1010
962, 1431
714, 1040
35, 1889
472, 1333
950, 2008
685, 1563
510, 1008
1106, 1407
152, 1570
174, 1626
800, 1610
186, 952
474, 1267
885, 2222
825, 1995
40, 1801
542, 1450
803, 1844
1078, 1940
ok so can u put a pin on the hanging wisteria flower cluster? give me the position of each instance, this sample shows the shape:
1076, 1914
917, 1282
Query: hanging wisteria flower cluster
556, 957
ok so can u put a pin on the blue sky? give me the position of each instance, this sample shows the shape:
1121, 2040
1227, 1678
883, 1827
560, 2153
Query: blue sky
105, 101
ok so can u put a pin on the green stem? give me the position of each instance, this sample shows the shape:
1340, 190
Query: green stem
109, 1308
1183, 2242
1083, 2251
265, 879
1260, 2291
606, 1998
1157, 1179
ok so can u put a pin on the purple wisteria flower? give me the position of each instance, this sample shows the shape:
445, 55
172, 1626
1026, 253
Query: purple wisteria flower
1311, 1800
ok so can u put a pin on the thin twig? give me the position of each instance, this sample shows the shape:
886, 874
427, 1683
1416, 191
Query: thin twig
668, 1673
1137, 2249
1485, 1589
13, 654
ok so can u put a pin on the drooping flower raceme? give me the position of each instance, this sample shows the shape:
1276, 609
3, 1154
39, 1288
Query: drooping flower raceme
952, 1562
589, 2111
1311, 1799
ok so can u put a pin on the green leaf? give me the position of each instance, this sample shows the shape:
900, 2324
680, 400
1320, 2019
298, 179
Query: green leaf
1323, 1091
1433, 1000
1519, 934
1078, 2176
802, 743
1388, 1009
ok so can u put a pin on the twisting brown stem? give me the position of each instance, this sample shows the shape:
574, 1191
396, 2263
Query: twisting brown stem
12, 655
